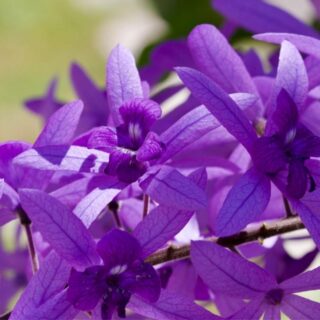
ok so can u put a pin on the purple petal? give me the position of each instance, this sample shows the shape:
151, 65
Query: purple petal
91, 205
253, 63
163, 223
216, 58
187, 130
285, 116
170, 307
87, 288
291, 74
151, 148
244, 203
237, 276
220, 104
252, 311
93, 98
60, 227
44, 285
164, 58
118, 248
57, 158
104, 138
123, 81
305, 44
268, 155
61, 126
306, 281
1, 187
312, 66
169, 187
310, 219
72, 193
298, 308
272, 313
142, 112
56, 308
297, 172
147, 283
45, 106
259, 16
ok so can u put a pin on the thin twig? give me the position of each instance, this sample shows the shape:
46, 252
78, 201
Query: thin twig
287, 207
26, 223
145, 205
258, 234
114, 207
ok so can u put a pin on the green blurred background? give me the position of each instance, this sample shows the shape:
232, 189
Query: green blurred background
39, 39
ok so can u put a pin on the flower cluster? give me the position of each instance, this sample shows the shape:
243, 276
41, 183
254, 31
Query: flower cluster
116, 190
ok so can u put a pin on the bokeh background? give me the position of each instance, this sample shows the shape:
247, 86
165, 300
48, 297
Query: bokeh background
39, 40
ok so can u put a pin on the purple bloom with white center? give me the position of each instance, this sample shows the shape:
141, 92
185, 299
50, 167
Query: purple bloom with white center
131, 144
123, 274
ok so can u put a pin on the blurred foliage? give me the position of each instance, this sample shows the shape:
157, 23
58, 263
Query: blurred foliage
181, 16
38, 39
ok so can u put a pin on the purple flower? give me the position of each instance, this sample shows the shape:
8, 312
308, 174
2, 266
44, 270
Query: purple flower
228, 273
279, 156
123, 274
260, 16
131, 144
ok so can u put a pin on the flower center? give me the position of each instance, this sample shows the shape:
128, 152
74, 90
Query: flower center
274, 296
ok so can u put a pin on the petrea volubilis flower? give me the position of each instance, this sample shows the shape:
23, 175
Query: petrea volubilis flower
123, 274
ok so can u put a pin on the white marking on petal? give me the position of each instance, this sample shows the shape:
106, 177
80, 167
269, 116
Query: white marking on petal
118, 269
135, 131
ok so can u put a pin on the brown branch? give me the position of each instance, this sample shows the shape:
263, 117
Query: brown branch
26, 223
145, 205
263, 232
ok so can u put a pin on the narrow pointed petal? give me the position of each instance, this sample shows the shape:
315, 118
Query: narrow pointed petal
45, 284
310, 218
272, 313
252, 311
297, 172
304, 44
170, 307
123, 81
291, 74
169, 187
61, 126
92, 204
87, 288
244, 203
216, 58
72, 193
259, 16
57, 158
60, 227
237, 276
93, 98
163, 223
188, 129
219, 104
306, 281
298, 308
